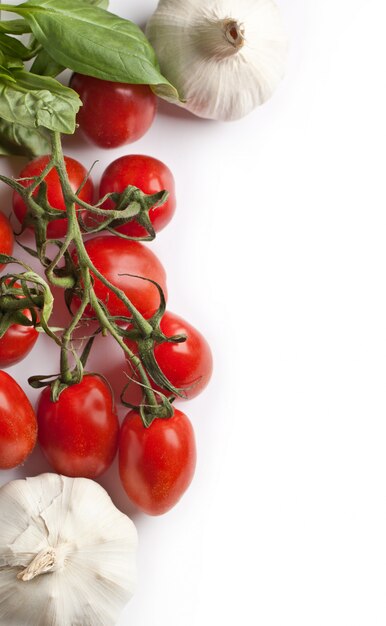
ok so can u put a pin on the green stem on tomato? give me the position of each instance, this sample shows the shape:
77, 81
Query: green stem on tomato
86, 268
10, 303
74, 234
135, 361
66, 374
37, 180
67, 282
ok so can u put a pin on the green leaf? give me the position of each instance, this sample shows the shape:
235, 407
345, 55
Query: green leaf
13, 47
19, 140
5, 73
14, 27
13, 64
103, 4
44, 65
38, 101
92, 41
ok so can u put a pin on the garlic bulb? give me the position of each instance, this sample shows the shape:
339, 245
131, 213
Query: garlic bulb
225, 57
67, 555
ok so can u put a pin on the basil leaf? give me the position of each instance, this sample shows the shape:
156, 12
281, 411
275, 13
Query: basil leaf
92, 41
19, 140
98, 3
35, 101
5, 73
13, 47
12, 63
14, 27
45, 65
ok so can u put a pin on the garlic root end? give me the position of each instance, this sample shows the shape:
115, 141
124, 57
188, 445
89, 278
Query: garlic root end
43, 562
234, 32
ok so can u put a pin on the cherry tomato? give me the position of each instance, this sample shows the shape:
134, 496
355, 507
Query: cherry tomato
79, 432
18, 426
6, 237
76, 174
17, 342
187, 365
156, 464
149, 175
113, 113
115, 258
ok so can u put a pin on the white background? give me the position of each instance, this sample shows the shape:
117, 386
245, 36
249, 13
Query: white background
277, 253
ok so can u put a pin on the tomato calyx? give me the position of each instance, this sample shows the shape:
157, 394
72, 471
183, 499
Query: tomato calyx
129, 205
34, 194
147, 356
164, 410
26, 291
164, 407
146, 342
18, 301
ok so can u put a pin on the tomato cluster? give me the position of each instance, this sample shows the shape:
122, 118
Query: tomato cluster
78, 429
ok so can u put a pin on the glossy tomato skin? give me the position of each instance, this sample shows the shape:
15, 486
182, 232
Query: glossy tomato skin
18, 426
17, 342
150, 176
79, 433
6, 237
113, 114
188, 365
115, 258
76, 174
156, 464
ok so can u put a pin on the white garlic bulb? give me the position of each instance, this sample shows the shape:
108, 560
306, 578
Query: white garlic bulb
67, 555
225, 57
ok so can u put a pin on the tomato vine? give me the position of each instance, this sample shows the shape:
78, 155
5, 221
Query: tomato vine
81, 278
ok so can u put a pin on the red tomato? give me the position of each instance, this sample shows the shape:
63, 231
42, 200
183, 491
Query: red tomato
6, 237
150, 176
76, 174
187, 365
113, 113
79, 432
156, 464
17, 342
115, 258
18, 426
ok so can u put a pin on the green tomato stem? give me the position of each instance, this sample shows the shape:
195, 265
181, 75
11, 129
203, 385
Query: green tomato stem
86, 268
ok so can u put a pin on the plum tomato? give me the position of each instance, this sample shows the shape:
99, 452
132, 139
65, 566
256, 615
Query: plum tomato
17, 342
156, 464
187, 365
79, 432
18, 426
116, 258
150, 176
6, 237
76, 174
113, 114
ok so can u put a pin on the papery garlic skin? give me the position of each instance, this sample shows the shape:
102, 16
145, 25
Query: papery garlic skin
224, 57
70, 529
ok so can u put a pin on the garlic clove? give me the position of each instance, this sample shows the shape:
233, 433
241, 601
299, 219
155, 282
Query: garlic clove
224, 58
67, 555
